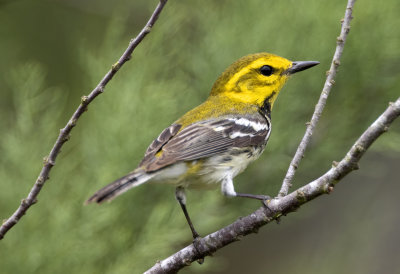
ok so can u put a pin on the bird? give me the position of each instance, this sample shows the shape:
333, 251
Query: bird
217, 140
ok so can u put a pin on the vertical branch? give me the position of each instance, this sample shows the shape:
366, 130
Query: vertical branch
49, 161
322, 100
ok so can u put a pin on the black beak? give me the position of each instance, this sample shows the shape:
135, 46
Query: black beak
299, 66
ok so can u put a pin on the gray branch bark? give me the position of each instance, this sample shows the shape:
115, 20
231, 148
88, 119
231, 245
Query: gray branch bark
283, 205
49, 161
331, 73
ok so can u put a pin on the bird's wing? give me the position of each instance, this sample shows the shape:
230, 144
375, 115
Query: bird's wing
158, 143
204, 139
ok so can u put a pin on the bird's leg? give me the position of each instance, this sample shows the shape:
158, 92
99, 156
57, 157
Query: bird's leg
228, 189
254, 196
181, 198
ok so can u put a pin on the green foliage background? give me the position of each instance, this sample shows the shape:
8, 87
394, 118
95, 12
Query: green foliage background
53, 52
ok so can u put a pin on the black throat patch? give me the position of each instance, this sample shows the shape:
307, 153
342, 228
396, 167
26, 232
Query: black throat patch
265, 109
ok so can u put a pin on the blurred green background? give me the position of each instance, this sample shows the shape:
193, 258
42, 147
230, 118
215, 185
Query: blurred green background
53, 52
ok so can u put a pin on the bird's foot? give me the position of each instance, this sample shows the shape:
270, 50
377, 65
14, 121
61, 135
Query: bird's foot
266, 200
265, 203
197, 245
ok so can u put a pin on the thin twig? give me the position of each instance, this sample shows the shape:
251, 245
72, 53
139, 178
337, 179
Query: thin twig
280, 206
49, 161
321, 102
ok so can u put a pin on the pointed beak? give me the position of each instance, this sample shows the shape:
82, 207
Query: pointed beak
299, 66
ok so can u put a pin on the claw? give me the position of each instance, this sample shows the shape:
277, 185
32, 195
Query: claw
196, 244
266, 204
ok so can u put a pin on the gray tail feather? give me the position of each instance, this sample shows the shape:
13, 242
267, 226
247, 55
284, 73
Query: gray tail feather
116, 188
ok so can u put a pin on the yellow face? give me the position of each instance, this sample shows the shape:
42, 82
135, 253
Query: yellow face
251, 83
253, 78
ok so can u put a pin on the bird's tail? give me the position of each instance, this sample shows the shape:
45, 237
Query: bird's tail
116, 188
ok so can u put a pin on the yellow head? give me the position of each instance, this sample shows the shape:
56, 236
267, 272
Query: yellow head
255, 78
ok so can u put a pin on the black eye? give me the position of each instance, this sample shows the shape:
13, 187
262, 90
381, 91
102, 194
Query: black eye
266, 70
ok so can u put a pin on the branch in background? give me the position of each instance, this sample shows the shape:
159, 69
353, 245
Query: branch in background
49, 161
321, 102
283, 205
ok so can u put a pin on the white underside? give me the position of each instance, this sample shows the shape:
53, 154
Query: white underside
212, 172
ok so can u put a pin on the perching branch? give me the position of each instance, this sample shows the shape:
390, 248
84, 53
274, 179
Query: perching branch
49, 161
321, 102
283, 205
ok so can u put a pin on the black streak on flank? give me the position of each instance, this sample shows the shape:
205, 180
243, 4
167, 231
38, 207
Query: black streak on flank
227, 159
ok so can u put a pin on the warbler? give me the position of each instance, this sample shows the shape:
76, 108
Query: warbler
215, 141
